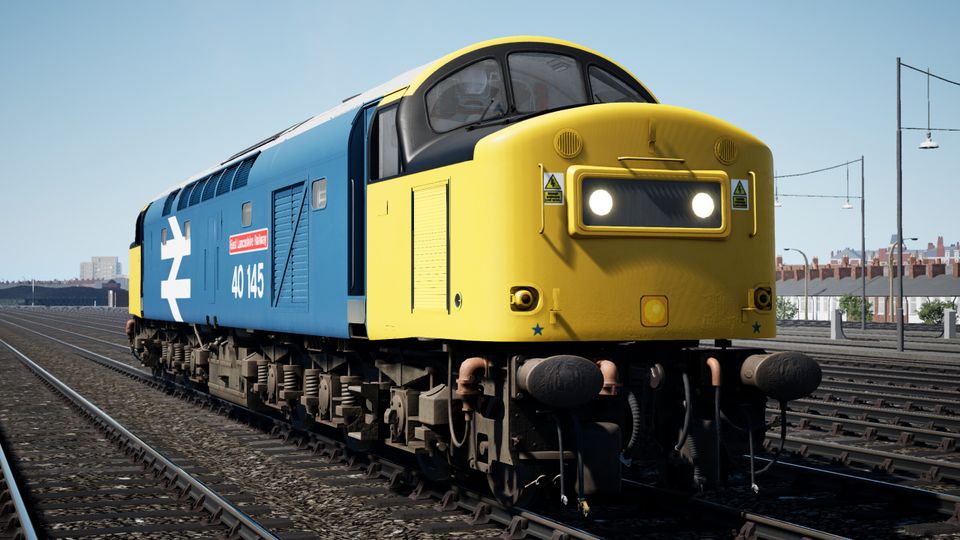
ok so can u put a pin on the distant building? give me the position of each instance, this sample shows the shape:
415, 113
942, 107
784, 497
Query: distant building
86, 270
101, 268
922, 282
939, 252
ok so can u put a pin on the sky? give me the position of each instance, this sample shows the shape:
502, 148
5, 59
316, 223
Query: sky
104, 104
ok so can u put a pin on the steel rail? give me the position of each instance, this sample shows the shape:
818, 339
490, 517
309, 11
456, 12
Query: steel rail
531, 523
20, 523
104, 341
899, 377
905, 393
869, 430
870, 362
72, 322
921, 419
944, 503
891, 401
891, 462
237, 521
751, 525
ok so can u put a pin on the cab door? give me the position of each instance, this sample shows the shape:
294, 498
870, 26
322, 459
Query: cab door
357, 173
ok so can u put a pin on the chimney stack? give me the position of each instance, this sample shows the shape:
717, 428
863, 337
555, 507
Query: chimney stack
935, 269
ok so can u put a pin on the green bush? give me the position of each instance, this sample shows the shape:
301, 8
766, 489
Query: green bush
786, 309
931, 311
850, 304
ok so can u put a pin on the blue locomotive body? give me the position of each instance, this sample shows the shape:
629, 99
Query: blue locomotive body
255, 244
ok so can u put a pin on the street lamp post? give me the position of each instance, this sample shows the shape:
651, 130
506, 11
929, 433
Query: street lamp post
846, 206
806, 282
927, 144
899, 218
890, 277
863, 252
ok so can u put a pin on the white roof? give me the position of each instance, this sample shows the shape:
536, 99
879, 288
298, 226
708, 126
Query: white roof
394, 84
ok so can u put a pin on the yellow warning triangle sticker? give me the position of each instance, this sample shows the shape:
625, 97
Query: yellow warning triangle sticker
552, 183
739, 189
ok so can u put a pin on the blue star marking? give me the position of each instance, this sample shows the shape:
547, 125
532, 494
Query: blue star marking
756, 328
537, 330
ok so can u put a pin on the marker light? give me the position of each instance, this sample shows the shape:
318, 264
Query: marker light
601, 202
703, 205
654, 311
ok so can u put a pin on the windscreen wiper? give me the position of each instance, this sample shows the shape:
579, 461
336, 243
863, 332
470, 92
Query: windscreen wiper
517, 118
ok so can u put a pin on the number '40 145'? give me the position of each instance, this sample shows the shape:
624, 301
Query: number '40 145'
247, 278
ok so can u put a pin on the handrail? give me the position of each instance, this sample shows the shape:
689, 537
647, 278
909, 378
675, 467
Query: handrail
753, 195
651, 158
540, 196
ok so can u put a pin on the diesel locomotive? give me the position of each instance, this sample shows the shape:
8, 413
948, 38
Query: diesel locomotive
513, 264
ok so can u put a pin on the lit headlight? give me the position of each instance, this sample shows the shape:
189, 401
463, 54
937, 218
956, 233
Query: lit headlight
601, 202
703, 205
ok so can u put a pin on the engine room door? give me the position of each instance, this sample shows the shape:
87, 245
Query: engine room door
357, 174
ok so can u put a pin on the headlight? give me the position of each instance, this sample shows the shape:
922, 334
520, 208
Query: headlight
703, 205
601, 202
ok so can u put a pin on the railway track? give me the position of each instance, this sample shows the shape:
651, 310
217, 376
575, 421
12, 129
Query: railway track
87, 475
458, 510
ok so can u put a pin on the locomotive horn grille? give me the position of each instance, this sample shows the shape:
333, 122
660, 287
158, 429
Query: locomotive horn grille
725, 150
568, 143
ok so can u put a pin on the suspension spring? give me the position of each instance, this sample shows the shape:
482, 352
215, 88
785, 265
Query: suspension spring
347, 398
263, 371
291, 379
178, 355
311, 382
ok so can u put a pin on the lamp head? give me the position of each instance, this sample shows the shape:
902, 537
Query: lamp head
929, 143
847, 205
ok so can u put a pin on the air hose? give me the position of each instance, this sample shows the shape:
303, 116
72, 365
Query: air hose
688, 398
635, 413
466, 428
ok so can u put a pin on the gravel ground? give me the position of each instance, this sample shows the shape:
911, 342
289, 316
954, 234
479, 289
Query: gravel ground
77, 479
329, 501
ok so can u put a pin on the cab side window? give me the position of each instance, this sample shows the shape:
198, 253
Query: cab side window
472, 94
385, 145
608, 88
